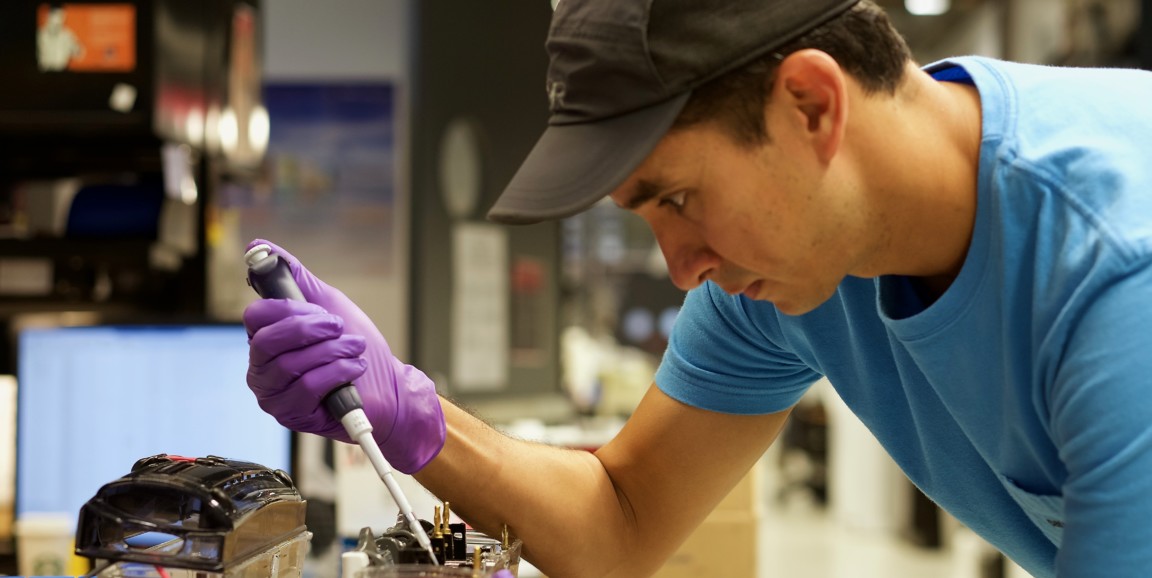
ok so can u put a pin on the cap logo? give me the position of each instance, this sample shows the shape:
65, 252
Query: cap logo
555, 95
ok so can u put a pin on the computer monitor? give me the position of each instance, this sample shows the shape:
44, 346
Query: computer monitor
93, 400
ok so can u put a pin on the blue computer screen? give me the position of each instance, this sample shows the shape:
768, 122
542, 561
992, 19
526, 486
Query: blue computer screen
93, 400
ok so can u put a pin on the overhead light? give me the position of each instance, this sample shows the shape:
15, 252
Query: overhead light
194, 126
229, 131
258, 129
927, 7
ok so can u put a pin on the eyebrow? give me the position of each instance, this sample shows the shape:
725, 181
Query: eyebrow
645, 191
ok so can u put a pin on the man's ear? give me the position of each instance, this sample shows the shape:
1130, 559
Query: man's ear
814, 89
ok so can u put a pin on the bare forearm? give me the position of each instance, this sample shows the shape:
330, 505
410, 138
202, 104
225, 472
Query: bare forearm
560, 502
616, 514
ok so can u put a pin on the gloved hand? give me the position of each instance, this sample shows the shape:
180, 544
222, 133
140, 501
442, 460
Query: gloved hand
298, 352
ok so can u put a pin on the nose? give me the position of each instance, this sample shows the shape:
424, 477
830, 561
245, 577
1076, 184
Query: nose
690, 261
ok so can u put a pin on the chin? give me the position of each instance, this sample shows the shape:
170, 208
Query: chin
793, 309
799, 307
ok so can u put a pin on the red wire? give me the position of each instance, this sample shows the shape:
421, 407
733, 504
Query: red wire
162, 572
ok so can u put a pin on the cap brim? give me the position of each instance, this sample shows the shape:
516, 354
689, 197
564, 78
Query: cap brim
573, 166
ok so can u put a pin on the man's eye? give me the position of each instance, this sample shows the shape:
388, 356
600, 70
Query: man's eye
675, 200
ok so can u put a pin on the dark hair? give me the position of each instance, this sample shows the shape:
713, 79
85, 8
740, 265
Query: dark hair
862, 41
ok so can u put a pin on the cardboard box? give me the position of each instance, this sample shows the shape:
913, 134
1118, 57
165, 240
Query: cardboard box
724, 546
748, 495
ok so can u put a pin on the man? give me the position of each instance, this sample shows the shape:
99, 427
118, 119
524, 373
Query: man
964, 251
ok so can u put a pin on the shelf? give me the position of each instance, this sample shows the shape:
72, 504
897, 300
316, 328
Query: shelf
107, 250
39, 156
107, 276
73, 124
13, 306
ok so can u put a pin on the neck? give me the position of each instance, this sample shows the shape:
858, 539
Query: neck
918, 159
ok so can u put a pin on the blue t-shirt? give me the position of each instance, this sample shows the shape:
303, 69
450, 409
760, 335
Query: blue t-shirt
1020, 400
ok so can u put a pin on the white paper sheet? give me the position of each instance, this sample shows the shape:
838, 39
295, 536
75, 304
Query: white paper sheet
479, 307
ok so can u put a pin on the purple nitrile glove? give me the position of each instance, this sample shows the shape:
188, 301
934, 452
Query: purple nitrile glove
298, 352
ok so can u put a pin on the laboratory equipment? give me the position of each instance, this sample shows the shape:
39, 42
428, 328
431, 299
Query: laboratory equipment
464, 552
209, 517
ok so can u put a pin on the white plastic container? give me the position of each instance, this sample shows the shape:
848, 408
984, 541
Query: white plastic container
44, 544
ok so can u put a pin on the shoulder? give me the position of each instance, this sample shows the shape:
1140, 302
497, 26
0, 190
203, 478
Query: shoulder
1066, 149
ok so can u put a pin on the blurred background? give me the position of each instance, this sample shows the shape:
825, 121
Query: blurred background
143, 143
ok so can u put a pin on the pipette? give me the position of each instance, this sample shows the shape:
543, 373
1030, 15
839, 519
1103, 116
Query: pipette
270, 277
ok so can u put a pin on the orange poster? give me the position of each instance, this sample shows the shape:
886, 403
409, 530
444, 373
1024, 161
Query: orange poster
86, 37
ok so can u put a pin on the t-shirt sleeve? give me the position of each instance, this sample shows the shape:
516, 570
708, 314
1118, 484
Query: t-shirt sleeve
724, 355
1101, 418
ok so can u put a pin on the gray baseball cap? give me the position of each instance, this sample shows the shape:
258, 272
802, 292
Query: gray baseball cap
619, 73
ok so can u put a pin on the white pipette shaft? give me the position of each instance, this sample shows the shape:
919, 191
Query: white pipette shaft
356, 422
